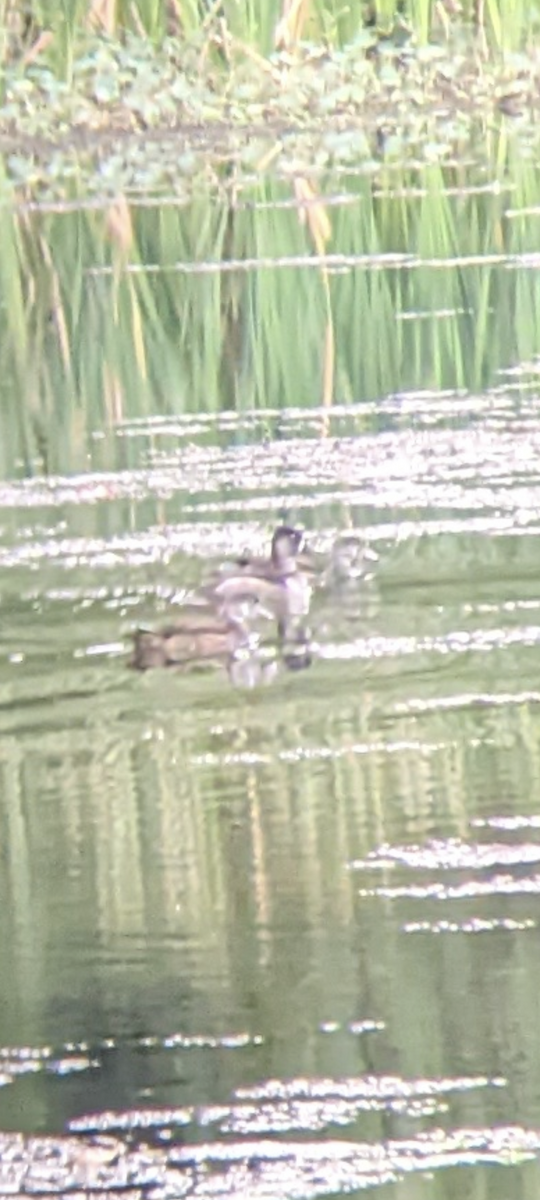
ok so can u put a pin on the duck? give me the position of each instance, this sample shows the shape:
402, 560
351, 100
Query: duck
201, 634
276, 582
348, 560
352, 558
286, 545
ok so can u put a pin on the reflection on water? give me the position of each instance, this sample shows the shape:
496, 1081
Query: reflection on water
278, 941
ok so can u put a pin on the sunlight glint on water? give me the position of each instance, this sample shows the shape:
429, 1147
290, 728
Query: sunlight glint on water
279, 939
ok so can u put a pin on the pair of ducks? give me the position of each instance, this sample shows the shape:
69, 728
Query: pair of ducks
221, 626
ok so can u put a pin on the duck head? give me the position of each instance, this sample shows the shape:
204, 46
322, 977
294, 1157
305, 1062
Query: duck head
287, 543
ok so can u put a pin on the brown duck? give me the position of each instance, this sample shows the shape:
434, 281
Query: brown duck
200, 635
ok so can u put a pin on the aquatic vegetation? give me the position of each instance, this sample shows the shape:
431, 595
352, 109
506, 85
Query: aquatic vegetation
193, 220
99, 99
135, 119
134, 309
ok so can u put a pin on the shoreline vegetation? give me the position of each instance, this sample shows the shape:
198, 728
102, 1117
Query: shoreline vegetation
106, 108
199, 213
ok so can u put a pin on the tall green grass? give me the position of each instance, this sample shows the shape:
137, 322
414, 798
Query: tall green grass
93, 332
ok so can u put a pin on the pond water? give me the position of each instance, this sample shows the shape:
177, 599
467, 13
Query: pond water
279, 941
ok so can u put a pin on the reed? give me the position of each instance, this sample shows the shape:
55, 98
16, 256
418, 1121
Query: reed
207, 306
56, 33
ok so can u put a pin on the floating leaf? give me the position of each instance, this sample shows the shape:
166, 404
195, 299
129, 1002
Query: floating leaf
106, 88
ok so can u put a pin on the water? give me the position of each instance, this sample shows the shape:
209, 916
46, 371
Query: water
282, 941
